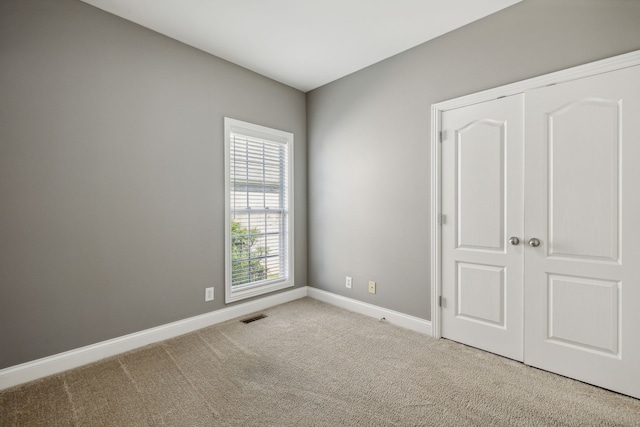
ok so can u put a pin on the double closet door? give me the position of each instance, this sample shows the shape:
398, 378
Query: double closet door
541, 230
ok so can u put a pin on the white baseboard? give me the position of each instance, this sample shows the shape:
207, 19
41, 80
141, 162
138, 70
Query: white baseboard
394, 317
57, 363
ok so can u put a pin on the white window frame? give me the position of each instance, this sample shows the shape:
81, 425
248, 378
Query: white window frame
232, 126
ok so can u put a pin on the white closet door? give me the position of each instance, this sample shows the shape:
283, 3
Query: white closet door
482, 173
582, 202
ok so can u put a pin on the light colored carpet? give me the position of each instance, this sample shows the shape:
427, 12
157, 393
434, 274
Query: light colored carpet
311, 364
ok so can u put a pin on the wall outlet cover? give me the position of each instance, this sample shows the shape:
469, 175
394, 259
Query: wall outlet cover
349, 282
208, 294
372, 287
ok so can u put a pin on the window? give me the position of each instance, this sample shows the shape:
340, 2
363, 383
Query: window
259, 209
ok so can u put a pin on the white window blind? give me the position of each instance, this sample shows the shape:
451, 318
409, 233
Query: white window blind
258, 210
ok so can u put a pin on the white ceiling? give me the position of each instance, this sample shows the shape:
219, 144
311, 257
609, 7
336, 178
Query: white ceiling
303, 43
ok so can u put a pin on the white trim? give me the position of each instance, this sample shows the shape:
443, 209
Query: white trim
394, 317
281, 137
603, 66
436, 229
598, 67
57, 363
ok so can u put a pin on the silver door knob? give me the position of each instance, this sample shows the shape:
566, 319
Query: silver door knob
534, 243
514, 241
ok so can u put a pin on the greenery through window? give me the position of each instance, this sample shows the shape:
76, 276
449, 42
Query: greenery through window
246, 256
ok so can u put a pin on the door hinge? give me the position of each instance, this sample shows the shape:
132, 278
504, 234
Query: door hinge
440, 301
442, 219
442, 135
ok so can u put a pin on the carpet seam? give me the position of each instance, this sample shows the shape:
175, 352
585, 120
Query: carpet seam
208, 344
15, 408
204, 398
133, 381
74, 411
240, 347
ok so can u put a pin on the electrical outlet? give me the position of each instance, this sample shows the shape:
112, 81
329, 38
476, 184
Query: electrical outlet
208, 294
372, 287
349, 282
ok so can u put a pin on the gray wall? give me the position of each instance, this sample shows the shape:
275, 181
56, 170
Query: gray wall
369, 154
111, 175
111, 166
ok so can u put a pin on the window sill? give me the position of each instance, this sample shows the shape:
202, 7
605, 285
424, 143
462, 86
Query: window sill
260, 289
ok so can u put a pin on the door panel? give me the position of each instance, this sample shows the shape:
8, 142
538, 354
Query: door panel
482, 204
480, 158
584, 313
480, 294
584, 139
582, 293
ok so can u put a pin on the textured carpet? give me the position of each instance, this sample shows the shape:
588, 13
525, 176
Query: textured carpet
311, 364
